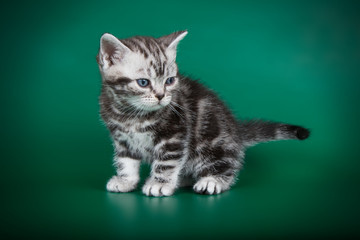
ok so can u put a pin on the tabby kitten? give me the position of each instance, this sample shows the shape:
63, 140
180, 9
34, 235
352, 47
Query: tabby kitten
174, 123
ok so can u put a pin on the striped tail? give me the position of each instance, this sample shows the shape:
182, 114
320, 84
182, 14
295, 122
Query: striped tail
256, 131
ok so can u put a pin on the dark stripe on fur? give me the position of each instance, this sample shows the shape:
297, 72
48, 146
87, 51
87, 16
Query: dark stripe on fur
171, 156
218, 169
122, 81
163, 168
126, 152
160, 179
171, 147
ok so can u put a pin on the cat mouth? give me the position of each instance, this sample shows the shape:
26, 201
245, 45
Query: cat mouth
153, 107
150, 105
156, 106
164, 104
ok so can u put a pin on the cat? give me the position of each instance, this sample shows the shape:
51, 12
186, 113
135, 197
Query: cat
176, 124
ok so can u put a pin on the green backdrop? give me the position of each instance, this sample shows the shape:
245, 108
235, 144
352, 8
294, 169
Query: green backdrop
291, 61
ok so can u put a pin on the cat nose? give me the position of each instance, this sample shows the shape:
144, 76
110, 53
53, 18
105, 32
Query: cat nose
160, 96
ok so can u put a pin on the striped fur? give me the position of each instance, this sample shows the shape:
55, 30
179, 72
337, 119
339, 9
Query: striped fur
187, 133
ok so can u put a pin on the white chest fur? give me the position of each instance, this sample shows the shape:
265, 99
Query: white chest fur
138, 142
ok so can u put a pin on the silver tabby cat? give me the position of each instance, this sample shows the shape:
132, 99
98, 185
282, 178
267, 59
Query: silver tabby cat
174, 123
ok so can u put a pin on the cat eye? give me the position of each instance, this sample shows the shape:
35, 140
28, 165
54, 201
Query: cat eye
170, 81
143, 82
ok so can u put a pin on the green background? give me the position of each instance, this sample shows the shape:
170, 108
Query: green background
291, 61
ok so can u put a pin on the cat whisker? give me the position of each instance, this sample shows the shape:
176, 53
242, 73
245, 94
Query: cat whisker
177, 112
183, 109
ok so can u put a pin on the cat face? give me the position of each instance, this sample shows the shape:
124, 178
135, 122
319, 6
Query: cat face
140, 71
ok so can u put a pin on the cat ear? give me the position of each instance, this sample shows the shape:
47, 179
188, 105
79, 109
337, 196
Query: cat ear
111, 51
171, 41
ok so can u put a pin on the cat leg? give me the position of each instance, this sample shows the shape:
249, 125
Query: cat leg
216, 178
163, 178
127, 175
166, 168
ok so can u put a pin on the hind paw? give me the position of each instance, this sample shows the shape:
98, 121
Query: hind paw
209, 185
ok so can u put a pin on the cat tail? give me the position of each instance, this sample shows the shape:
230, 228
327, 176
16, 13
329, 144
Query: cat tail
257, 131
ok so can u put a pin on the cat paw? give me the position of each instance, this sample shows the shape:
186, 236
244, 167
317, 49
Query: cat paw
117, 184
157, 189
209, 186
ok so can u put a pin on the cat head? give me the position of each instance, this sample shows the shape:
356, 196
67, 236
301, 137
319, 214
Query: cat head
140, 70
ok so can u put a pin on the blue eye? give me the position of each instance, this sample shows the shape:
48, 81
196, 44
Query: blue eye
170, 81
143, 82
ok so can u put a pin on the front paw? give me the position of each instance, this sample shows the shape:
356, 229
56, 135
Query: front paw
158, 189
117, 184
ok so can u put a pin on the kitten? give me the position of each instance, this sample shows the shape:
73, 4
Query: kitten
174, 123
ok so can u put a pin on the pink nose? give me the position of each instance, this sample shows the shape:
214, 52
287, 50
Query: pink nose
159, 96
